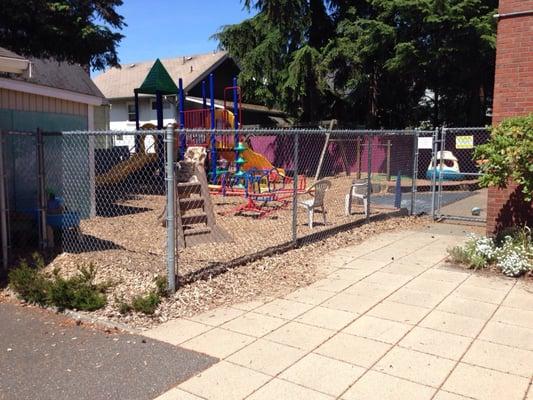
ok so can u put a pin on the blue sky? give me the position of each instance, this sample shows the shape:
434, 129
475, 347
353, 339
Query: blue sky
168, 28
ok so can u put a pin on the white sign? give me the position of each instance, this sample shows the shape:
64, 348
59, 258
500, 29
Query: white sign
425, 143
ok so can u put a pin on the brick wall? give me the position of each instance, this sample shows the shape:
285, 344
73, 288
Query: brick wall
513, 95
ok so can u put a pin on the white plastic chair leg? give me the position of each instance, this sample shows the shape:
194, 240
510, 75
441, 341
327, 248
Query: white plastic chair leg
348, 204
365, 204
310, 214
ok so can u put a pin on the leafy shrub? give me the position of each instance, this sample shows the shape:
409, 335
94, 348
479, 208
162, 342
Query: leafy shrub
509, 155
29, 283
513, 255
78, 292
476, 253
146, 304
161, 286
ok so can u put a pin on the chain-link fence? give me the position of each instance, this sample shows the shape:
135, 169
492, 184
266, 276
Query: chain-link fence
122, 200
456, 174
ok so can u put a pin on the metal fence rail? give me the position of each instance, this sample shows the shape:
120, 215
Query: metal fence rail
202, 200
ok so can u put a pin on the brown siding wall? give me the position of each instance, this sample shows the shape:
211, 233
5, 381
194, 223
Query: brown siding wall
11, 100
513, 96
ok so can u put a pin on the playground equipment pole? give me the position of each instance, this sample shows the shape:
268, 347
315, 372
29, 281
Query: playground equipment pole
236, 120
137, 124
182, 138
171, 232
204, 96
213, 141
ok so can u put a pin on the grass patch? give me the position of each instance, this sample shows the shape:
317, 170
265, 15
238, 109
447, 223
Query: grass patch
78, 292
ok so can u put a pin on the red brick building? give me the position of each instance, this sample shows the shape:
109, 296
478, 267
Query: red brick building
513, 96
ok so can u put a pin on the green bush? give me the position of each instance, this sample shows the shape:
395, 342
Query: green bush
29, 283
509, 155
146, 304
78, 292
161, 286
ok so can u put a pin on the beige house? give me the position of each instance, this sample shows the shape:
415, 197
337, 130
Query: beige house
48, 95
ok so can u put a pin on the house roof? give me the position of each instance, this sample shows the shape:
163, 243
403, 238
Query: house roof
53, 74
9, 54
118, 83
62, 75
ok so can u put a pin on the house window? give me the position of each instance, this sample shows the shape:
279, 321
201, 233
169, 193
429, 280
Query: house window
166, 105
131, 112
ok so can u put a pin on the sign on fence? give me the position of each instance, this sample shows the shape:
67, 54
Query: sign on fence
464, 142
425, 142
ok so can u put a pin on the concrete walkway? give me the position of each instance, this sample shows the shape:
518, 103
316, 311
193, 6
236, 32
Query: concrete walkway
390, 321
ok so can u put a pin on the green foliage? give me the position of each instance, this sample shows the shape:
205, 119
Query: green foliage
509, 155
512, 254
161, 287
29, 283
146, 304
78, 292
381, 63
83, 32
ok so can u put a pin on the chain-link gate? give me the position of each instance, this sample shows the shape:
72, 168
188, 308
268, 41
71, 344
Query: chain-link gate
454, 173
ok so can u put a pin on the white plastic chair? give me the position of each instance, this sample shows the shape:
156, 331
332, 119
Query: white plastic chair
318, 192
358, 190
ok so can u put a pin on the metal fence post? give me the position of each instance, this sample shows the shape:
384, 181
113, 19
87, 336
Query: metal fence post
3, 208
433, 164
295, 191
414, 175
171, 233
369, 177
41, 191
441, 166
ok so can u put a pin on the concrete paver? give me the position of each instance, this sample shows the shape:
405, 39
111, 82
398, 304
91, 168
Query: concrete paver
225, 381
453, 323
378, 329
177, 331
353, 349
502, 358
438, 343
482, 383
218, 342
390, 320
254, 324
377, 386
299, 335
280, 389
267, 357
333, 377
415, 366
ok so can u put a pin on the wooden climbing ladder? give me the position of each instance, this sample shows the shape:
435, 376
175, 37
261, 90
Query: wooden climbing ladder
195, 219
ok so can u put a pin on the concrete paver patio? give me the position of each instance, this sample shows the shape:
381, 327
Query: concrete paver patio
389, 321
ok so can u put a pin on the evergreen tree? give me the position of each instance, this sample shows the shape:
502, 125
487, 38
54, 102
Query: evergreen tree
78, 31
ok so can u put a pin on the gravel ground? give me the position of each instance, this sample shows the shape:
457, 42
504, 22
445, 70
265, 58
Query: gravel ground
268, 277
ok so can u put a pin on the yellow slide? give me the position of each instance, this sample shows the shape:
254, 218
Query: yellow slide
124, 169
253, 160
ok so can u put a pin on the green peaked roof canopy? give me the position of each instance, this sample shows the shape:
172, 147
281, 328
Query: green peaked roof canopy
158, 80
